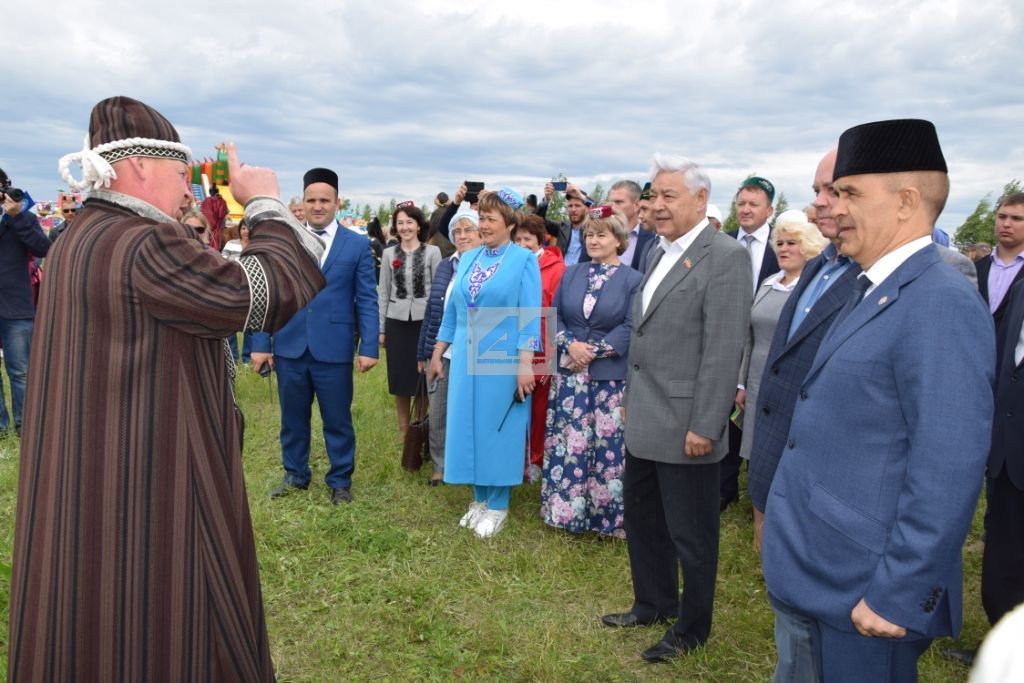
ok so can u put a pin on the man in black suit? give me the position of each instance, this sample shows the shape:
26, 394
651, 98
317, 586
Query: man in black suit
1005, 266
625, 196
753, 209
1002, 569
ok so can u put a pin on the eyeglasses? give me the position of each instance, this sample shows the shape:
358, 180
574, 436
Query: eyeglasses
70, 212
462, 231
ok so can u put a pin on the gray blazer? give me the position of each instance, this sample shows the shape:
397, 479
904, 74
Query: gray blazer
410, 307
684, 353
960, 262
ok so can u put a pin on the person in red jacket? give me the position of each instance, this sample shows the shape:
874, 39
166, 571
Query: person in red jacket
532, 235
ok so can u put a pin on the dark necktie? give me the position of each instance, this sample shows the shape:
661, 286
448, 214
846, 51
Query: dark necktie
320, 233
860, 285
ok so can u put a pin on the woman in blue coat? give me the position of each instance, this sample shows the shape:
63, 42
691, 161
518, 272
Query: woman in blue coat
489, 402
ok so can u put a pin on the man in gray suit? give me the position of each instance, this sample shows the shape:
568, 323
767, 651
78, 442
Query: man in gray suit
690, 322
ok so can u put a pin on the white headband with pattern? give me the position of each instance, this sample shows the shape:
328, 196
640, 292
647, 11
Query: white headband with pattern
97, 171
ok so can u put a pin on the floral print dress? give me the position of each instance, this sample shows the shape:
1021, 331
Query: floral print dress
584, 450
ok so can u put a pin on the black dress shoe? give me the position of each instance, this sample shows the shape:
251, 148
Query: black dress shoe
286, 487
340, 495
663, 651
963, 655
629, 620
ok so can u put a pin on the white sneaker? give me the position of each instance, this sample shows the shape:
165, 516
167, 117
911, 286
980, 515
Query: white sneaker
473, 515
490, 523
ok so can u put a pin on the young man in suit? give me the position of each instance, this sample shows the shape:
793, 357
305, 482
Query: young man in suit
870, 505
313, 352
1005, 266
1002, 569
690, 322
753, 210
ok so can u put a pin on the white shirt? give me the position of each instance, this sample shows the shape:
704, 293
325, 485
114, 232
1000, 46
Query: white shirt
887, 265
1018, 353
673, 252
328, 239
756, 249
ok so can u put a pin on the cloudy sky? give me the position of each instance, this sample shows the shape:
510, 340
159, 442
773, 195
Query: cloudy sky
408, 98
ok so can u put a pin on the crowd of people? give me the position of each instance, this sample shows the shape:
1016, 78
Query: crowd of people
643, 355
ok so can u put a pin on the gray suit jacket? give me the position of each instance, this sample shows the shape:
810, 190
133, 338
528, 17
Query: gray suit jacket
684, 353
409, 307
960, 262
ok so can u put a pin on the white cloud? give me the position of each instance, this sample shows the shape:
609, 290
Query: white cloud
406, 99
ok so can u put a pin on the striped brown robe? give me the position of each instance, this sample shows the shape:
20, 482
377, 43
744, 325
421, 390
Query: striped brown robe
134, 557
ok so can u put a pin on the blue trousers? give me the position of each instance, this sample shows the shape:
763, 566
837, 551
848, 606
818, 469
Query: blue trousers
299, 380
841, 656
246, 346
16, 336
496, 497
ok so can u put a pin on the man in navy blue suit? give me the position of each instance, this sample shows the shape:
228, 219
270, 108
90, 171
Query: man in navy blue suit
313, 353
824, 287
872, 500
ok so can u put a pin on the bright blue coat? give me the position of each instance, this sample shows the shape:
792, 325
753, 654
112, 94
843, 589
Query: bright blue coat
476, 450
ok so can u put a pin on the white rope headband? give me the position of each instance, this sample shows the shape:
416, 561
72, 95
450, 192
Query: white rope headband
97, 171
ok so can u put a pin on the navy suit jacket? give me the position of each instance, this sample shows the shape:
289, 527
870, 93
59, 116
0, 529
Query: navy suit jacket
885, 456
644, 241
611, 319
784, 372
327, 326
1008, 425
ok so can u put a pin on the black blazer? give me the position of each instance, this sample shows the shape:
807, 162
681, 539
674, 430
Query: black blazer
19, 236
769, 264
1008, 423
644, 241
984, 266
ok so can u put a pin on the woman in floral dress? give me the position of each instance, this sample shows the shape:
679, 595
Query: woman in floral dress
584, 449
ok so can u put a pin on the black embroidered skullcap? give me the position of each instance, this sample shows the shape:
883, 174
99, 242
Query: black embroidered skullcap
320, 175
646, 192
897, 146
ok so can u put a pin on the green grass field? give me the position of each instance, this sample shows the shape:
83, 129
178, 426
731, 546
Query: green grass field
390, 588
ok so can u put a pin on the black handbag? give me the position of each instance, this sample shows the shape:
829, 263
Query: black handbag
416, 448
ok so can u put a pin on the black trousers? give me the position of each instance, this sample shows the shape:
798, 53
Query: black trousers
671, 518
729, 486
1002, 565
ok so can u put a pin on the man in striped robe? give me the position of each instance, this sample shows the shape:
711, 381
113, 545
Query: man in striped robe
134, 557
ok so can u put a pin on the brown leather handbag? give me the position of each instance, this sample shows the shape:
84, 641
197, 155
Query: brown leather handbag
416, 448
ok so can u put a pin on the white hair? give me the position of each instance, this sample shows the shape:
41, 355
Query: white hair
694, 177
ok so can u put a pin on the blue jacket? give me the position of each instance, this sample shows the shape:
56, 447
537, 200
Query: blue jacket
435, 309
886, 455
611, 319
785, 370
20, 236
346, 306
